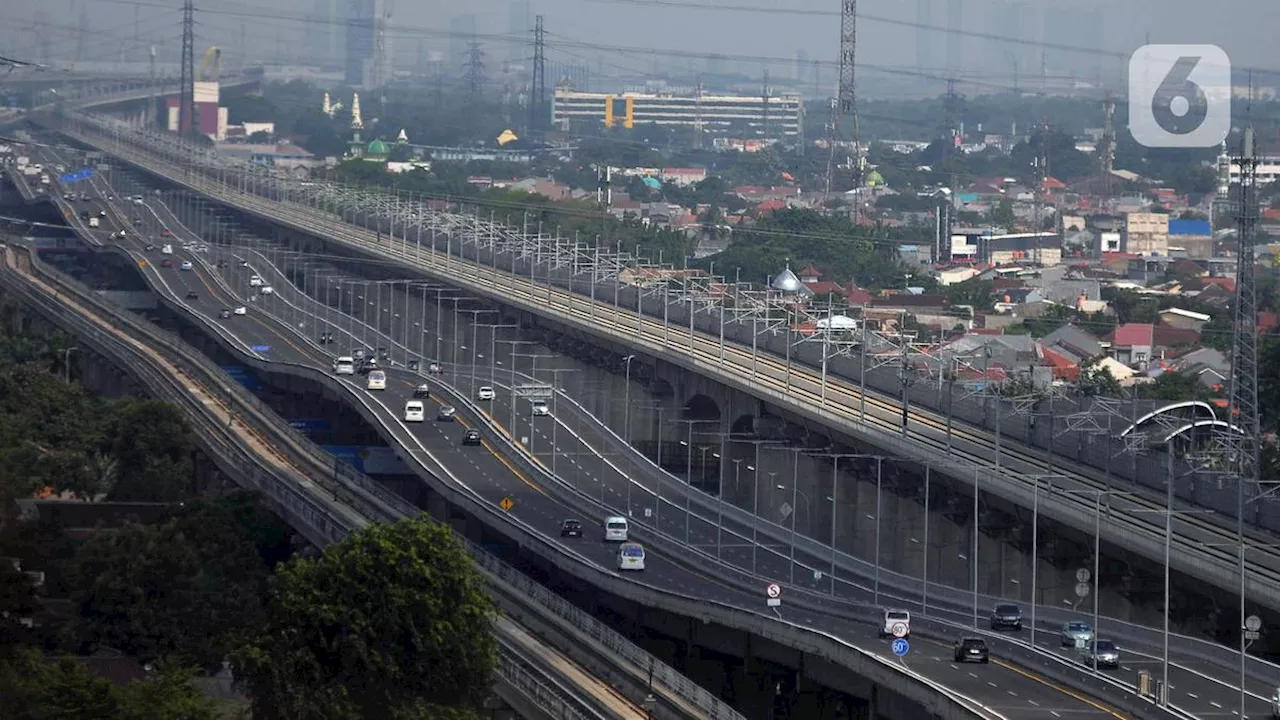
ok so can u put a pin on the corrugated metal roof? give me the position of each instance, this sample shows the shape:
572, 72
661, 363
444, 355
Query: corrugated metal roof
1190, 227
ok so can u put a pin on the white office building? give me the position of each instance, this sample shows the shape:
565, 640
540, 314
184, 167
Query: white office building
779, 117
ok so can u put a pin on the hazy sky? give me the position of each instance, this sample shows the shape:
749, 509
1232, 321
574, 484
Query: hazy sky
680, 34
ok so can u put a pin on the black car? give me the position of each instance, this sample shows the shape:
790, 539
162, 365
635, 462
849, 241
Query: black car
224, 313
368, 364
150, 248
1006, 616
191, 295
571, 528
422, 391
384, 354
447, 413
326, 338
471, 437
972, 649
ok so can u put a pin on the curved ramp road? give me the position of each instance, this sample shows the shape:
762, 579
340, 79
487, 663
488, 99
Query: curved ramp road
1012, 691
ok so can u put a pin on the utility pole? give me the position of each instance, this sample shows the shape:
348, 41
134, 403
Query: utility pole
538, 87
1107, 153
475, 71
186, 91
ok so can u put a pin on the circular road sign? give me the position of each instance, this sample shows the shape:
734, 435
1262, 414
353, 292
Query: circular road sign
1253, 623
1082, 589
1083, 575
899, 630
901, 647
773, 591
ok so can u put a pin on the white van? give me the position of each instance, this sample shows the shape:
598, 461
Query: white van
631, 556
615, 529
414, 412
896, 623
167, 249
94, 222
377, 380
344, 366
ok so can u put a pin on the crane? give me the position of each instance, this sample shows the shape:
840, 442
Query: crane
212, 61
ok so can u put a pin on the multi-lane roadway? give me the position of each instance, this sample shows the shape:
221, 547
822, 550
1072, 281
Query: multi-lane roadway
1202, 548
485, 472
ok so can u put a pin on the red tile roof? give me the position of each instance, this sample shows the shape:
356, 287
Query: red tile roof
1133, 334
810, 271
823, 287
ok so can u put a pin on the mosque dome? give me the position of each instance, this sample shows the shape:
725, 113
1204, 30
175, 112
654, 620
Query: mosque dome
377, 148
787, 282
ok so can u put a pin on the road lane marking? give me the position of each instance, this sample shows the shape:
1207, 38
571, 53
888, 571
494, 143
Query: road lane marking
1065, 691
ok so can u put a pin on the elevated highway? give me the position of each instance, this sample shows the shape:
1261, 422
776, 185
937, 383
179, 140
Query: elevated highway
250, 446
216, 288
1202, 546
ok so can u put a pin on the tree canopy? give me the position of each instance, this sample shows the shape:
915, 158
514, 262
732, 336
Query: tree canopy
181, 589
389, 623
34, 688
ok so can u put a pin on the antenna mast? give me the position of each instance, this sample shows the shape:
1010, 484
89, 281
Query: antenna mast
538, 88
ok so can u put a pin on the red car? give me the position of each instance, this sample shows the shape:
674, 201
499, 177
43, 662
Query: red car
166, 263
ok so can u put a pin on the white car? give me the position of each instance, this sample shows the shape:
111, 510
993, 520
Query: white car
485, 393
631, 556
895, 623
241, 310
414, 412
267, 290
186, 264
540, 408
615, 529
255, 281
344, 365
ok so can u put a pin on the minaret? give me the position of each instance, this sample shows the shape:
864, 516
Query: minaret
326, 108
402, 138
356, 146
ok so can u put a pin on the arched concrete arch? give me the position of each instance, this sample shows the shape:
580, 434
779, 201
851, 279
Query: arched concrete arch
1197, 407
744, 425
701, 407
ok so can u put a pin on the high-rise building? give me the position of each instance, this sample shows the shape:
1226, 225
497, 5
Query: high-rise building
318, 42
360, 20
520, 28
955, 41
802, 66
462, 30
925, 39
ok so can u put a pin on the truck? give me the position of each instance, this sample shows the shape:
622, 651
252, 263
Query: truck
93, 222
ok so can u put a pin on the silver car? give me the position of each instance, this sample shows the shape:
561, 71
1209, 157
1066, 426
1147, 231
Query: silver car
1102, 654
1076, 632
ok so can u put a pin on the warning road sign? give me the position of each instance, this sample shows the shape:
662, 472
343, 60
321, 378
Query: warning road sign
507, 503
773, 590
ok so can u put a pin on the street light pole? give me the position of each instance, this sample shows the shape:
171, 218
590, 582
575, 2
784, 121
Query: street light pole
626, 402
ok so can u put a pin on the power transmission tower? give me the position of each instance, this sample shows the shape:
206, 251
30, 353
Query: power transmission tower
538, 88
1107, 153
697, 113
474, 70
845, 107
764, 108
1041, 168
1243, 409
951, 108
187, 88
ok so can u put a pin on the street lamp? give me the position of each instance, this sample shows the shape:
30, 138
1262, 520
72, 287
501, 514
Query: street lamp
493, 345
737, 472
626, 400
688, 490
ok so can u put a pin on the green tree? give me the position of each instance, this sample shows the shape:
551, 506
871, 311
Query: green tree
177, 590
153, 447
34, 688
1096, 380
386, 624
1002, 213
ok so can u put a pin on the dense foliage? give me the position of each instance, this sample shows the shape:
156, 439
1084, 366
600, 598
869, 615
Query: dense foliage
181, 589
390, 623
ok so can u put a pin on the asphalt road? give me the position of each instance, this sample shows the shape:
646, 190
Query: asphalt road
485, 473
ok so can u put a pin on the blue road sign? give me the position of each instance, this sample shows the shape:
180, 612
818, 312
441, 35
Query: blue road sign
900, 647
76, 176
260, 348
